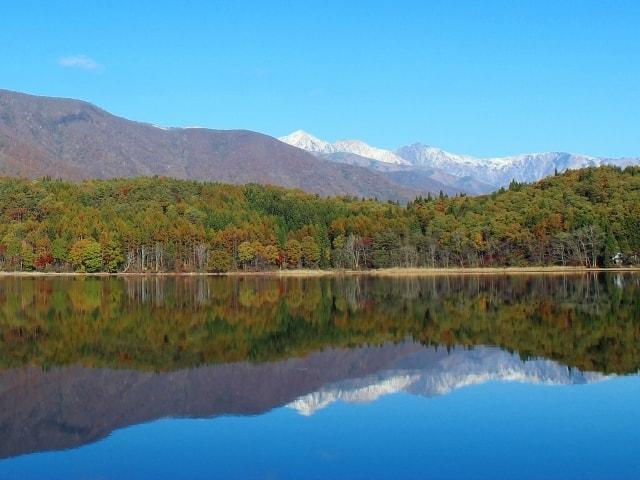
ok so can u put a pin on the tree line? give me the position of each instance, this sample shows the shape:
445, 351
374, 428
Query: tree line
588, 217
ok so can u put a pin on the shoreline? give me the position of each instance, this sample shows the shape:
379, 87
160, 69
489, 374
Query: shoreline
384, 272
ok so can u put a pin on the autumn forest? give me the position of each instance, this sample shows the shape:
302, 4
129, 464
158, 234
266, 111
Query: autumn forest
588, 217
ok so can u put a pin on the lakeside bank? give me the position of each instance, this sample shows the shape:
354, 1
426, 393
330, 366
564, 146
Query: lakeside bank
382, 272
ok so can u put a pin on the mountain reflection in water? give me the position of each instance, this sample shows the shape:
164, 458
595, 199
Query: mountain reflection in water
81, 357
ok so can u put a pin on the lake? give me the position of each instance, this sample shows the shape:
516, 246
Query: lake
443, 377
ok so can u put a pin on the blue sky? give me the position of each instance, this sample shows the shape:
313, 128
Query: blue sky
478, 77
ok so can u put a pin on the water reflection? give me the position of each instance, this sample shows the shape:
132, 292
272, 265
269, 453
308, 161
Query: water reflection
590, 322
429, 373
70, 406
81, 357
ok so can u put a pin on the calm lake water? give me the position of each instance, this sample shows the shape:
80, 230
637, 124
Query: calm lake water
461, 377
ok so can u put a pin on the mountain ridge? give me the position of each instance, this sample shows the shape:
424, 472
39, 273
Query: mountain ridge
72, 139
454, 171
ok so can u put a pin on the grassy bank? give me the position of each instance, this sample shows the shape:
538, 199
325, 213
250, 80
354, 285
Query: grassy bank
382, 272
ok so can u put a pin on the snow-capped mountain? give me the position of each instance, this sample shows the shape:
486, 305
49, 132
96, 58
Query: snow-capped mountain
308, 142
499, 171
358, 147
425, 156
423, 374
420, 165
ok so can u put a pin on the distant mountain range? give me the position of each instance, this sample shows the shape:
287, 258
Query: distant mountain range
415, 166
71, 139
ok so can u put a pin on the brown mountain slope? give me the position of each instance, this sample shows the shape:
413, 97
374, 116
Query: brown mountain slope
72, 139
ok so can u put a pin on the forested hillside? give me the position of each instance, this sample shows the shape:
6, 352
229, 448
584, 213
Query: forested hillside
584, 217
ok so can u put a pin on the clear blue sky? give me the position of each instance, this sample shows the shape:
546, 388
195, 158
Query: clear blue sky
478, 77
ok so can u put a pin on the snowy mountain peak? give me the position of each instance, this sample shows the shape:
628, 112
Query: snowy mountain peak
312, 144
308, 142
421, 155
358, 147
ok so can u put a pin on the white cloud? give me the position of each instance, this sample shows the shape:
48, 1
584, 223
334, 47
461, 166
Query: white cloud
82, 62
